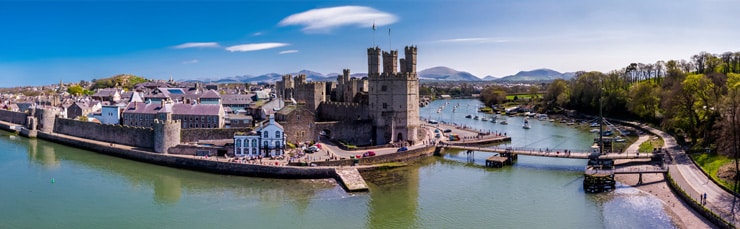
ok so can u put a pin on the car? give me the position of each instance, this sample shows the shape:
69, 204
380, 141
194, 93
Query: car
368, 154
447, 131
402, 149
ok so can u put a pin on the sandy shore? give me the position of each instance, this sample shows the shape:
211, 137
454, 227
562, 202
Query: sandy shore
655, 184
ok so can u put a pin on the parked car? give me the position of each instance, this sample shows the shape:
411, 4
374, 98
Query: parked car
402, 149
448, 131
368, 154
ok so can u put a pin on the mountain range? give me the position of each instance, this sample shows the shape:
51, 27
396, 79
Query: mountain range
439, 73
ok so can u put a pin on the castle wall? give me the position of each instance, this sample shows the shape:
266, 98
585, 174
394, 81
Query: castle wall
353, 132
118, 134
13, 117
195, 134
311, 94
46, 119
340, 111
299, 125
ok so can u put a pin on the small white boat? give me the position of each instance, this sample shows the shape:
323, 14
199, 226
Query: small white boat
526, 124
484, 119
504, 121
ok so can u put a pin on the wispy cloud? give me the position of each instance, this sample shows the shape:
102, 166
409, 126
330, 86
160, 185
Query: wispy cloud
193, 61
288, 51
254, 47
197, 45
326, 19
472, 40
257, 34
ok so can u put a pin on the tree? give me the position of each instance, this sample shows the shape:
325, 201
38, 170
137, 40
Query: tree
493, 95
556, 94
75, 90
644, 99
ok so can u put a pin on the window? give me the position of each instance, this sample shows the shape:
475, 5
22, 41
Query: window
277, 134
265, 134
384, 88
238, 143
254, 142
277, 144
265, 144
385, 105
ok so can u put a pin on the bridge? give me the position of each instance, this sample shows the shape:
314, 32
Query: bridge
548, 153
599, 172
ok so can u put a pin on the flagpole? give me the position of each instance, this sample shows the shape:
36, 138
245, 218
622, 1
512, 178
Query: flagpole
374, 34
389, 40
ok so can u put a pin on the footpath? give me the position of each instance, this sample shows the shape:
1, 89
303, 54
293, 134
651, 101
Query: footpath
694, 182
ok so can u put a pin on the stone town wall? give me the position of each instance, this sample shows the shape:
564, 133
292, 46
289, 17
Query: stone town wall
46, 119
212, 166
13, 117
393, 157
342, 111
124, 135
195, 134
354, 132
192, 149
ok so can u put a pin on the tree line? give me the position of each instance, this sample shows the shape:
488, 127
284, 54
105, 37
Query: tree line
696, 100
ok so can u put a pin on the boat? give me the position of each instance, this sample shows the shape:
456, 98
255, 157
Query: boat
526, 124
476, 117
594, 130
504, 121
468, 116
484, 119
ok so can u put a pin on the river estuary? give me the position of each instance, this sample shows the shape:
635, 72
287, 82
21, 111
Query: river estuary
47, 185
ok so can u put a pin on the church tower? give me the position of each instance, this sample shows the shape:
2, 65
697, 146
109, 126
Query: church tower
394, 98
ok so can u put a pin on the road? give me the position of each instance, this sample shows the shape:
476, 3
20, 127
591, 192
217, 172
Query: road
694, 182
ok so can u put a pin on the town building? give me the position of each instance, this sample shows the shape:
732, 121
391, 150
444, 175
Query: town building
266, 141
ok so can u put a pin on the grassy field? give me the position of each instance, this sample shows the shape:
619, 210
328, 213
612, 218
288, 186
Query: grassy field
649, 145
711, 163
523, 96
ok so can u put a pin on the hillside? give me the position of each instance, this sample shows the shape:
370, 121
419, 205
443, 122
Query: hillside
124, 80
446, 74
542, 74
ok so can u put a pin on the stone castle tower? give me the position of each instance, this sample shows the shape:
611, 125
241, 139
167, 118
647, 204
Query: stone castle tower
166, 130
393, 96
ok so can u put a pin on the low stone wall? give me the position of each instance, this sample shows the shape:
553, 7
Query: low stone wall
195, 134
118, 134
13, 117
393, 157
192, 149
4, 125
218, 167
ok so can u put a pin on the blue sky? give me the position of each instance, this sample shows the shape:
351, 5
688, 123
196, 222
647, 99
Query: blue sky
43, 42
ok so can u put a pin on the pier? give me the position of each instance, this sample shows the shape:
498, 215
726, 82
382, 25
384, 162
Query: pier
351, 179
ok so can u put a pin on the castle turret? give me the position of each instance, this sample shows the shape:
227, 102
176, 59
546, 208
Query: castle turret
409, 62
373, 61
166, 130
389, 62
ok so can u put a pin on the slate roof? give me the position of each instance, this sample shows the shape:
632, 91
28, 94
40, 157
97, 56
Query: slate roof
176, 109
210, 94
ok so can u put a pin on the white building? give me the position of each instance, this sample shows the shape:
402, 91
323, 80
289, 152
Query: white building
268, 140
110, 115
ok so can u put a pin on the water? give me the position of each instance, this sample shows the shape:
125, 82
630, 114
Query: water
46, 185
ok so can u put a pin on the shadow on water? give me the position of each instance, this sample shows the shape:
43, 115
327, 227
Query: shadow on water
169, 184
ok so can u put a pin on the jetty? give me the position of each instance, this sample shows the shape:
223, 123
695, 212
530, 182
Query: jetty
351, 179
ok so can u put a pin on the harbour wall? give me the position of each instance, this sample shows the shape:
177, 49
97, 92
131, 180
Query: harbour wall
118, 134
405, 156
13, 117
211, 166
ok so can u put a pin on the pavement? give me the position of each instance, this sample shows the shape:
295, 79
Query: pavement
694, 182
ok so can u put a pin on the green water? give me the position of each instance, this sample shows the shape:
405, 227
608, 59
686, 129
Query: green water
46, 185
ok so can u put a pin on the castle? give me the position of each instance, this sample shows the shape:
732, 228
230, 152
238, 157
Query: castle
378, 109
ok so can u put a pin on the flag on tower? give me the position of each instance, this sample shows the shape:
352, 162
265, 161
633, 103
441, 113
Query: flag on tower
373, 25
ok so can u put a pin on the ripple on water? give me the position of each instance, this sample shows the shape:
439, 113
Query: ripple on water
633, 208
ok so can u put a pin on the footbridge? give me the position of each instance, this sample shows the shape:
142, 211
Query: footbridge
549, 153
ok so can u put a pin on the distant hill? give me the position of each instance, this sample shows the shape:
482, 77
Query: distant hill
124, 80
446, 74
542, 74
489, 78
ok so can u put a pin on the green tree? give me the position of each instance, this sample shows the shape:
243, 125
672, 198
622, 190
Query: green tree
644, 99
76, 90
493, 95
556, 94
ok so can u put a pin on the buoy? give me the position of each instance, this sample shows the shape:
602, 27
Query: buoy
52, 180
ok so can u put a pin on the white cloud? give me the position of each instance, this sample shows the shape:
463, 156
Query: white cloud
198, 45
326, 19
472, 40
254, 47
257, 34
288, 51
193, 61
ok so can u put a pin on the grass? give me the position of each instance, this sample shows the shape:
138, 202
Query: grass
711, 163
523, 96
651, 144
